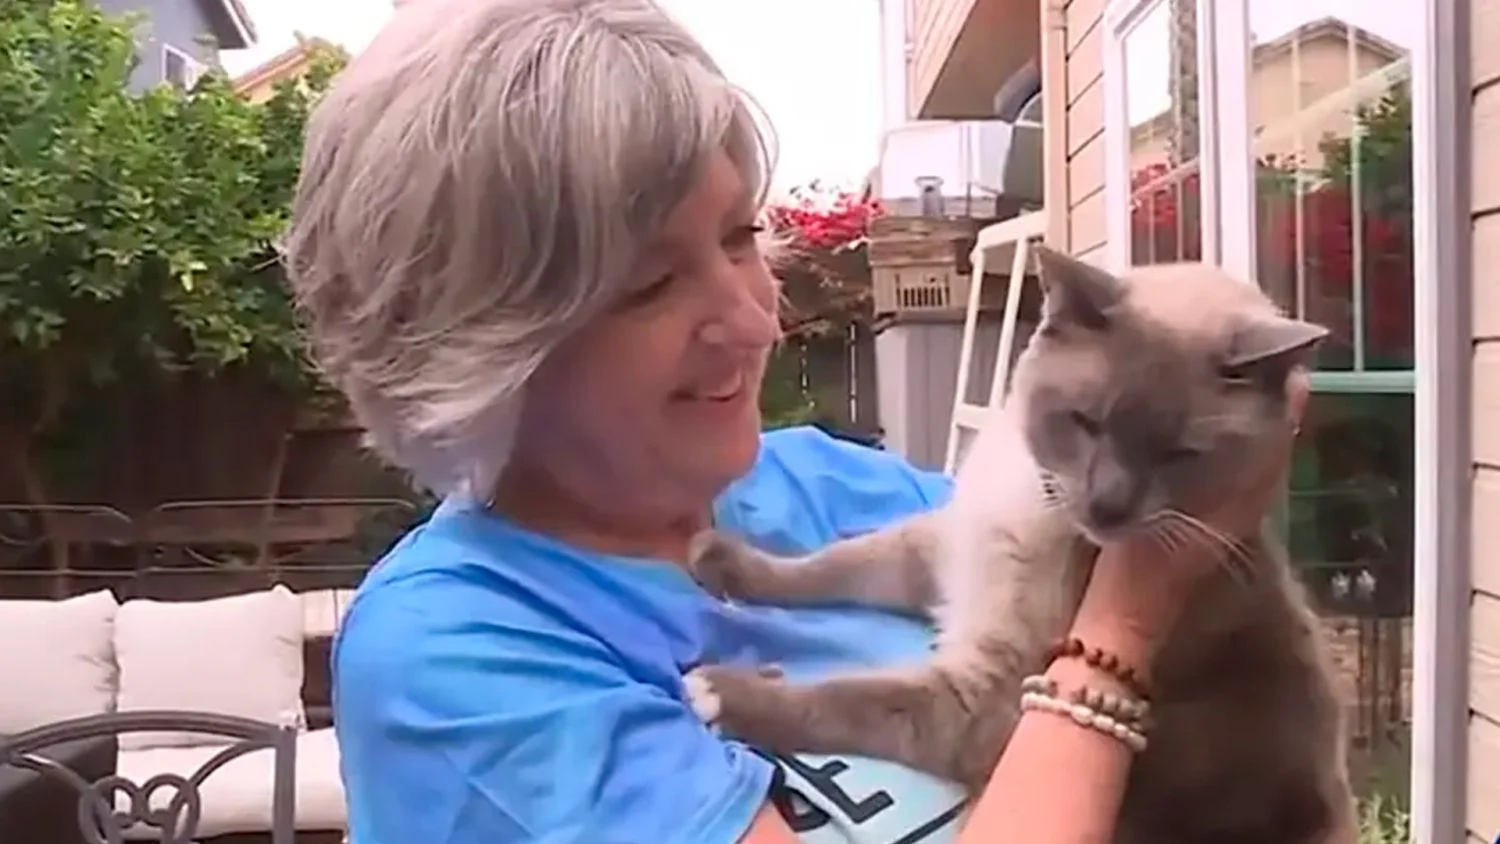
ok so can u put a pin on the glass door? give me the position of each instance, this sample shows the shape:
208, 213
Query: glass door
1324, 222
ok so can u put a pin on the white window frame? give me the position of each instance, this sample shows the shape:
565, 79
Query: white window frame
1120, 18
194, 67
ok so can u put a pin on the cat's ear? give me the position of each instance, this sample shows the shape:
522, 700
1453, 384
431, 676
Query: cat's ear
1273, 342
1076, 292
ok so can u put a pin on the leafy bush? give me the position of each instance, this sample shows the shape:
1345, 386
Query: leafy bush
139, 226
1384, 821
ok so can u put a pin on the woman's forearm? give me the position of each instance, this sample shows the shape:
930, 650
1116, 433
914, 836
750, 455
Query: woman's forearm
1057, 782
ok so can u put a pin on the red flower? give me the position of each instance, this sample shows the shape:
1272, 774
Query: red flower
815, 218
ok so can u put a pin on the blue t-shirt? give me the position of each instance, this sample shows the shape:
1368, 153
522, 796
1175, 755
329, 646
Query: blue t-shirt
493, 686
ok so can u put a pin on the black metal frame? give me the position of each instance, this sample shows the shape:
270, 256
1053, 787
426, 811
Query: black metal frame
100, 819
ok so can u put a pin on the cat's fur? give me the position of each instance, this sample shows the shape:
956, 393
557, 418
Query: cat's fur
1136, 396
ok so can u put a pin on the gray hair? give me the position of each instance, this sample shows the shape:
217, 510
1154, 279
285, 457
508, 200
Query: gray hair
474, 186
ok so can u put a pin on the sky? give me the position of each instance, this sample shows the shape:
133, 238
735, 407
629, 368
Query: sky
811, 65
814, 65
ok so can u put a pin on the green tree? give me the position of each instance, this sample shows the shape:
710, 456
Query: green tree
139, 229
1383, 130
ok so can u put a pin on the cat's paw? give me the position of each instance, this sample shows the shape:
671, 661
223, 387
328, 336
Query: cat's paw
698, 687
713, 690
726, 567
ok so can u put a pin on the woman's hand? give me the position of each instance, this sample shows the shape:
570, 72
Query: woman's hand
1137, 590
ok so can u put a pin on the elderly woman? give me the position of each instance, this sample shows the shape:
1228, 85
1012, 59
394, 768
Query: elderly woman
526, 243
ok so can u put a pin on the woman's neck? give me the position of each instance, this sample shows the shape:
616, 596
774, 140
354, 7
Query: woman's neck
536, 501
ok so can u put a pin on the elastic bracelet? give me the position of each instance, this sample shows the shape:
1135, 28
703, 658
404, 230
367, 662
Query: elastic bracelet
1083, 716
1098, 658
1132, 712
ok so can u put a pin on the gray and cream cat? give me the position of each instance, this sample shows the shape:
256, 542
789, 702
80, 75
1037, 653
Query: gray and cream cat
1134, 397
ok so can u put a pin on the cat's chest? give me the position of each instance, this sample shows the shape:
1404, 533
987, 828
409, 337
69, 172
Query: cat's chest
1020, 584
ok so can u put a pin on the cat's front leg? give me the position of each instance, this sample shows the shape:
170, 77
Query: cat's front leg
925, 718
891, 569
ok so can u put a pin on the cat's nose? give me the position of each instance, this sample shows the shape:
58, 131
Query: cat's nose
1108, 512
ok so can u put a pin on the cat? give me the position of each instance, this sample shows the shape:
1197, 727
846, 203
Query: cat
1134, 396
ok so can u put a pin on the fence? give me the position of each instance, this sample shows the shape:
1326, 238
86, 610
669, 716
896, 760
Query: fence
195, 549
1352, 547
827, 379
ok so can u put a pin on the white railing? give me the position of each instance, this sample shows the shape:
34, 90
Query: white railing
1009, 240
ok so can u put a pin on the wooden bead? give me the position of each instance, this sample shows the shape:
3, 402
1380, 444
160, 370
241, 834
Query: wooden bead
1111, 664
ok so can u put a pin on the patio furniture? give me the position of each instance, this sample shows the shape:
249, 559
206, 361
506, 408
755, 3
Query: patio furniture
166, 806
43, 810
262, 656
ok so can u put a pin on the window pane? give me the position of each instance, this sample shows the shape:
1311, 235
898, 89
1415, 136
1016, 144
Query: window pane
1330, 107
1350, 535
1161, 70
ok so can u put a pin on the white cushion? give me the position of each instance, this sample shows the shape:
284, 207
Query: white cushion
237, 797
57, 660
323, 611
240, 655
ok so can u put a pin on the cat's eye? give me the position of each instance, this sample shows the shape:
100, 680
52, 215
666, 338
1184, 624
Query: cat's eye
1085, 423
1234, 376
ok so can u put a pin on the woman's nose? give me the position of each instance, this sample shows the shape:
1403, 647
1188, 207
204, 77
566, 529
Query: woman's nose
746, 318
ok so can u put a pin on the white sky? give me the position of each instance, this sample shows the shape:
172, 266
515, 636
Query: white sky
812, 65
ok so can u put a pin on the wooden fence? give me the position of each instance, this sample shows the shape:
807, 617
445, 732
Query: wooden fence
827, 379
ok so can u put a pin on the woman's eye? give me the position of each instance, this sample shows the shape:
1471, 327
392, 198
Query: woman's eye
1084, 422
742, 238
648, 293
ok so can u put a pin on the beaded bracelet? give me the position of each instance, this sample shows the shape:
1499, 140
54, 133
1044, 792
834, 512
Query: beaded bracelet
1085, 717
1133, 713
1073, 648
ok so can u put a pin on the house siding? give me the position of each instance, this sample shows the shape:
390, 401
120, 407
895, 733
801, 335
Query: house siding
1074, 67
1484, 653
178, 23
935, 25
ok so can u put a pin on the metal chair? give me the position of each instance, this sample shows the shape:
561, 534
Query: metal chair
103, 818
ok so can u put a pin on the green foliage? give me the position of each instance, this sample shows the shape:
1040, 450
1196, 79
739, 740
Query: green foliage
139, 226
1384, 821
1383, 161
1382, 128
784, 398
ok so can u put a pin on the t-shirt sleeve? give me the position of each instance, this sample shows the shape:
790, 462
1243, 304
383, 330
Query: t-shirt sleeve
808, 489
481, 732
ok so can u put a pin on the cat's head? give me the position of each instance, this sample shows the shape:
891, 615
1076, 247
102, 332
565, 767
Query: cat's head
1145, 393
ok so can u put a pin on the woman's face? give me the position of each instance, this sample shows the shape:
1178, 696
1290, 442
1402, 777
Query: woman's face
655, 404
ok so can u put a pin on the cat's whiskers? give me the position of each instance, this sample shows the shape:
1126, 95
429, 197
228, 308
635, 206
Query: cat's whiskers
1162, 533
1236, 559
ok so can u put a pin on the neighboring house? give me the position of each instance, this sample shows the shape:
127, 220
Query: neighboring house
179, 39
1426, 420
1308, 65
259, 83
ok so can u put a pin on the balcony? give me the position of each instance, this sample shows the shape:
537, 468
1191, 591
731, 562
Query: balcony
962, 51
969, 168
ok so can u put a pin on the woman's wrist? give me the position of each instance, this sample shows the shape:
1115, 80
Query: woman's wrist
1132, 601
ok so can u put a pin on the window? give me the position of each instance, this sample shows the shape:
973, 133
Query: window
180, 69
1274, 137
1327, 216
1158, 127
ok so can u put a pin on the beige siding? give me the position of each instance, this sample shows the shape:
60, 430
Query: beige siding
1082, 101
1484, 654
